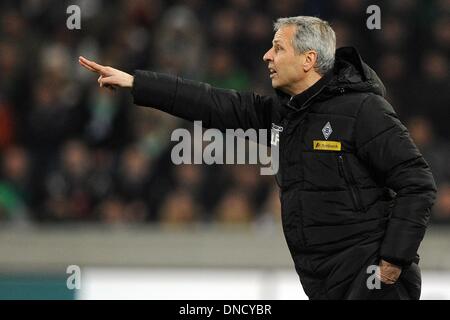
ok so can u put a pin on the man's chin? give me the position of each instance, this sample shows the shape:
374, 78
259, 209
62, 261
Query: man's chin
275, 84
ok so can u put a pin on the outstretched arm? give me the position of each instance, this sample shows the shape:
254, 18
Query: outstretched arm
190, 100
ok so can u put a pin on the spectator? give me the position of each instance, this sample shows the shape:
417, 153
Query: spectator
179, 209
16, 189
435, 151
442, 207
106, 124
395, 35
113, 211
7, 125
441, 33
393, 68
69, 194
431, 92
235, 209
223, 72
271, 209
180, 45
151, 130
51, 121
133, 180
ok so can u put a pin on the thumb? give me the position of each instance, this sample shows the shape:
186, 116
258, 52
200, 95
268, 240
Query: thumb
107, 82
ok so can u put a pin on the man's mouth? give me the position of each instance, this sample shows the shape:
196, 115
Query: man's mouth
272, 72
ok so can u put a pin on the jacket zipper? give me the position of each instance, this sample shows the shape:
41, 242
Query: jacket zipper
302, 234
285, 124
351, 183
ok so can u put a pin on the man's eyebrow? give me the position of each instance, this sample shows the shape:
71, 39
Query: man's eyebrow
276, 42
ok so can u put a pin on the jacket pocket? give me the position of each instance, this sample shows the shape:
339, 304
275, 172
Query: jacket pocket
346, 173
411, 278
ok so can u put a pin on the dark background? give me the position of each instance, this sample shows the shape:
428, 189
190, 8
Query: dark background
71, 152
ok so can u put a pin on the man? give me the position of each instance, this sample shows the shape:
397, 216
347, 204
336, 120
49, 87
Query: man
355, 191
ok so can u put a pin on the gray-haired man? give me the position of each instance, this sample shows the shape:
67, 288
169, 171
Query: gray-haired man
355, 191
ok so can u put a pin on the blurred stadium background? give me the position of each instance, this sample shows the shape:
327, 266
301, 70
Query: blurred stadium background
86, 177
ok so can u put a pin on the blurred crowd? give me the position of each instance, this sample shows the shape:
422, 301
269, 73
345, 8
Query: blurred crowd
71, 152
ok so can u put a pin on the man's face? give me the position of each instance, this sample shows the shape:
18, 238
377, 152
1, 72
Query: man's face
285, 65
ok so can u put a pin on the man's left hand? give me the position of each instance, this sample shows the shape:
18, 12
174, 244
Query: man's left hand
389, 272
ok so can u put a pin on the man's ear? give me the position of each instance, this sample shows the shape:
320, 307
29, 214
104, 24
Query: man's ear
310, 60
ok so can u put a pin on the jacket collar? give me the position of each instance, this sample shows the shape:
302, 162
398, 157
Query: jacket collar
299, 101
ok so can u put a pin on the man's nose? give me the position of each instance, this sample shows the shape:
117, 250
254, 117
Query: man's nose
268, 56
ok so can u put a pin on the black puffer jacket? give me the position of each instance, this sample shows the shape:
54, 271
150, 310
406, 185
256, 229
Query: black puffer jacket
353, 185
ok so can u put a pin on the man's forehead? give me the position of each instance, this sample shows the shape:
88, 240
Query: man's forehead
284, 34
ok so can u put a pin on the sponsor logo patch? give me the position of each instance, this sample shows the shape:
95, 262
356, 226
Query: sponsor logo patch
327, 130
327, 145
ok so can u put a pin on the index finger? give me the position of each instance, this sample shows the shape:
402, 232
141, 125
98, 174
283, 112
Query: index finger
86, 66
95, 66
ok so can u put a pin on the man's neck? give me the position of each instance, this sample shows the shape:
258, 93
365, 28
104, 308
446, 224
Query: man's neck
305, 84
